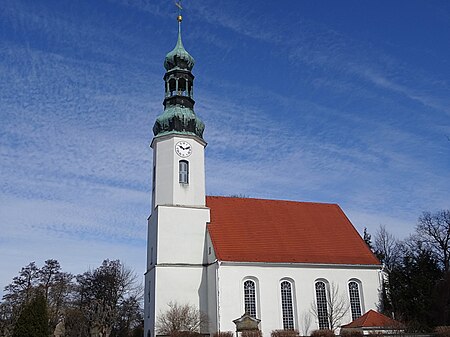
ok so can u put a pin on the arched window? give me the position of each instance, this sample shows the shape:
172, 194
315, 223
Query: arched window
322, 305
183, 172
250, 298
355, 301
286, 305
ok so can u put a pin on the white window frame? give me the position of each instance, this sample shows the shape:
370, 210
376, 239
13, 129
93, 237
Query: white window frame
353, 305
322, 309
183, 172
285, 320
255, 297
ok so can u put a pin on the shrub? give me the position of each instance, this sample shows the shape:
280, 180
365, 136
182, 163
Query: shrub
351, 333
284, 333
251, 333
442, 331
180, 318
185, 334
322, 333
375, 333
223, 334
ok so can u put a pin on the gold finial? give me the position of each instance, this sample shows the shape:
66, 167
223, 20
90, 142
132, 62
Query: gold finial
178, 4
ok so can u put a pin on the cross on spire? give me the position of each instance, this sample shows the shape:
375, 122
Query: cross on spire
180, 8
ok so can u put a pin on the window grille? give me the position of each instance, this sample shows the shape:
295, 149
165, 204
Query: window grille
286, 305
184, 172
322, 308
250, 298
355, 302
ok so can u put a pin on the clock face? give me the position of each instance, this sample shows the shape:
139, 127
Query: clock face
183, 149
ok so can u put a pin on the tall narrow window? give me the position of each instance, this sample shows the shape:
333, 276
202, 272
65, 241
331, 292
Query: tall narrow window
250, 298
322, 309
184, 172
153, 184
151, 255
149, 297
355, 302
154, 176
286, 305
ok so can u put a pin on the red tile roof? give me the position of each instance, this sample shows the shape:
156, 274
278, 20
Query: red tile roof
259, 230
373, 319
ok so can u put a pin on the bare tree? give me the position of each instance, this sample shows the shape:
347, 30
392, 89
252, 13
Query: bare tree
305, 319
181, 317
386, 248
337, 306
434, 231
101, 293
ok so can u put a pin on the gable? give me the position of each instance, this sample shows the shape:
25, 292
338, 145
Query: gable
278, 231
373, 319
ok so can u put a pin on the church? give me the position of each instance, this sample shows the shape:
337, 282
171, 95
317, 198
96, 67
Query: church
282, 264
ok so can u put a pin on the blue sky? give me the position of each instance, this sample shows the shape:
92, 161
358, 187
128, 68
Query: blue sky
331, 101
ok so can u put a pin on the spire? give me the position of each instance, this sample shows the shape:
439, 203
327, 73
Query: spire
179, 57
179, 116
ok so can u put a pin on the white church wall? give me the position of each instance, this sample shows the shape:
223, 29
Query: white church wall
152, 242
212, 296
180, 284
268, 277
149, 301
168, 190
181, 234
209, 248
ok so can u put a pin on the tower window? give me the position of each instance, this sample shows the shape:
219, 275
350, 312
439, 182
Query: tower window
250, 298
154, 178
322, 305
183, 172
286, 305
355, 302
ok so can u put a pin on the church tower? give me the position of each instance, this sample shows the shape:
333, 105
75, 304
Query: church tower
176, 253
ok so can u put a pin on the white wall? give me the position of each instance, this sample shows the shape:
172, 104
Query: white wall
169, 283
175, 260
176, 231
168, 190
181, 235
303, 277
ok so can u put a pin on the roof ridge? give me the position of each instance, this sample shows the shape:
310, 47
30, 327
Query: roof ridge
366, 316
276, 200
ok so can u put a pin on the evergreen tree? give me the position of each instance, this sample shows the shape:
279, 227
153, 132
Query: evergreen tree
367, 239
412, 284
33, 320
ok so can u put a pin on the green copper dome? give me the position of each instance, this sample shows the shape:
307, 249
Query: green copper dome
179, 116
178, 119
179, 57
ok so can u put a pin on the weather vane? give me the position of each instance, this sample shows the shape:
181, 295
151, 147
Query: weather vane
178, 4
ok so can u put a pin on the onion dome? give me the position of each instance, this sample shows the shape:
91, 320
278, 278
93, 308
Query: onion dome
178, 119
179, 116
179, 58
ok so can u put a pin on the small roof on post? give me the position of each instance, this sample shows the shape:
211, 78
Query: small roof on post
246, 322
373, 320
